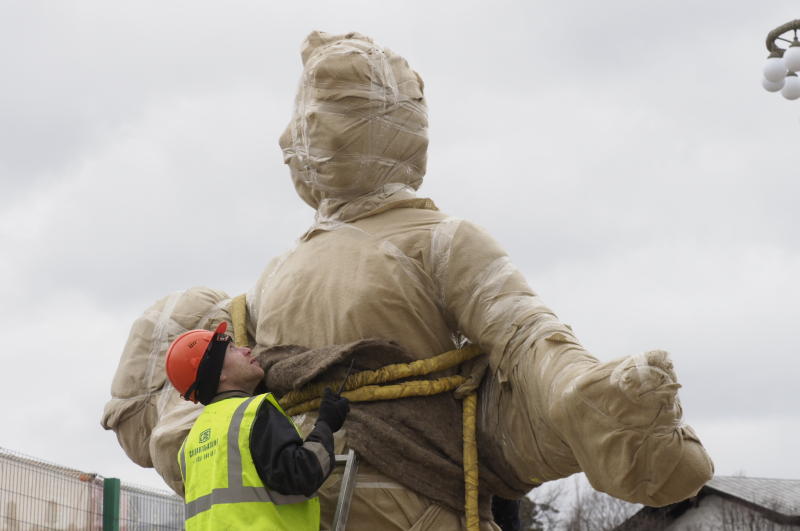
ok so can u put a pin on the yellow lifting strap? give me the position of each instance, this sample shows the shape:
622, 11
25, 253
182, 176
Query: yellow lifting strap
364, 386
239, 321
469, 407
370, 393
397, 371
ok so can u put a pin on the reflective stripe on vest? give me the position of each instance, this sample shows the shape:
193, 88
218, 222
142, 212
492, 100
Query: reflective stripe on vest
269, 501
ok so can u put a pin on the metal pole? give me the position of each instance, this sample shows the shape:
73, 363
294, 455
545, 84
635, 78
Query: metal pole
111, 490
346, 490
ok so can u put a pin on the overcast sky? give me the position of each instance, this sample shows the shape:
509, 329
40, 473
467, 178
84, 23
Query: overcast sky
623, 152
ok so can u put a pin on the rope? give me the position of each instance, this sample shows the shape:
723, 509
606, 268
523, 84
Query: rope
239, 320
470, 462
360, 387
385, 374
370, 393
363, 387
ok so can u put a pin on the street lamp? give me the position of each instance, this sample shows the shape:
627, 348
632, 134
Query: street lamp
783, 64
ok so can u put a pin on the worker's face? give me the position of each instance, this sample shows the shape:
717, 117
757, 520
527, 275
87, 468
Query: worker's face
240, 369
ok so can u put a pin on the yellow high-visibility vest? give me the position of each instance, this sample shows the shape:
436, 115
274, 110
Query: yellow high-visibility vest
222, 487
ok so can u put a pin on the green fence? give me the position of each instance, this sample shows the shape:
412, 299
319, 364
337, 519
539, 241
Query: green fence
35, 494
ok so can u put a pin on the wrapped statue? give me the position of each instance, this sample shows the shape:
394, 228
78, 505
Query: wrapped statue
382, 276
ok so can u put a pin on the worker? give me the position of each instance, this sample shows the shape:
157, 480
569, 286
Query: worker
244, 464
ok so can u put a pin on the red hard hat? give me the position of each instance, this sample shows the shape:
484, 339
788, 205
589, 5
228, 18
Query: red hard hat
184, 356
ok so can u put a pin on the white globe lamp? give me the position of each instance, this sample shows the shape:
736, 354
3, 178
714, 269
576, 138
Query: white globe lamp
791, 57
782, 69
772, 86
791, 88
774, 68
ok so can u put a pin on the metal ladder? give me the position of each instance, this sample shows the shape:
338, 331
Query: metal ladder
350, 462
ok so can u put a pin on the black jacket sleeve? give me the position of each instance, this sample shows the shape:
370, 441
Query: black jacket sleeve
284, 461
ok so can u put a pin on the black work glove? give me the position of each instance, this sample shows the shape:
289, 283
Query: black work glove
333, 409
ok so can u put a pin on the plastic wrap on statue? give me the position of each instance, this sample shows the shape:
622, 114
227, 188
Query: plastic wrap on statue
148, 416
380, 262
